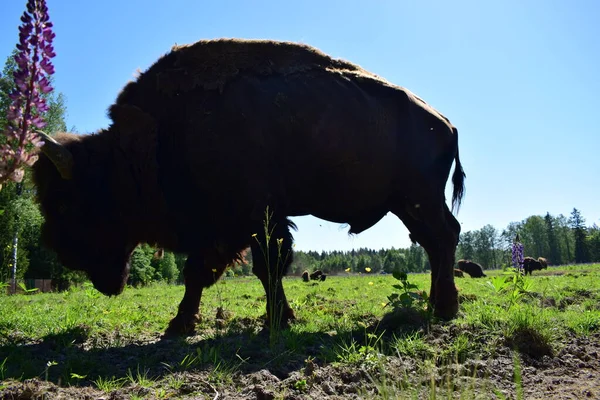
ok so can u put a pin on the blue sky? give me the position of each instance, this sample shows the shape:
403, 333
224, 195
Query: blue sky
520, 80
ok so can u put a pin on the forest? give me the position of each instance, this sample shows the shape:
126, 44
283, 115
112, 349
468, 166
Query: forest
559, 238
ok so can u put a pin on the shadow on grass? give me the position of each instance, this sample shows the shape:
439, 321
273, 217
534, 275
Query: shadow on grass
81, 359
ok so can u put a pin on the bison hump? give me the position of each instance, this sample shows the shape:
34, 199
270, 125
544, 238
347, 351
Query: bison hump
210, 64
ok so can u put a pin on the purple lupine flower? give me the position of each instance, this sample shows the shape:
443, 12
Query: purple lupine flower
31, 82
517, 254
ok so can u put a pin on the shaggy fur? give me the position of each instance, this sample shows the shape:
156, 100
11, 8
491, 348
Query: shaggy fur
211, 143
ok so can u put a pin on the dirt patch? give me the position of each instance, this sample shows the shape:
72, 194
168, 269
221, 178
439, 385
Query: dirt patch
568, 372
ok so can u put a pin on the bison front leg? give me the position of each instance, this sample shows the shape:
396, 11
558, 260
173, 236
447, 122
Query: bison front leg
271, 257
187, 316
200, 271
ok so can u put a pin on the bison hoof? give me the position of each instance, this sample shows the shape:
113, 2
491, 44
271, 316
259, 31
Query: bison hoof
446, 311
445, 302
182, 325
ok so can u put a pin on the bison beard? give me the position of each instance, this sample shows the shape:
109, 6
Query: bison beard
221, 141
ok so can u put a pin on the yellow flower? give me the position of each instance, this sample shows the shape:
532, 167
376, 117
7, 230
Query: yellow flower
347, 270
368, 269
383, 304
371, 283
254, 235
279, 241
214, 270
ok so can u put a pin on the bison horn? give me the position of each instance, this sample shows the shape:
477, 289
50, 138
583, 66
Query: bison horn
58, 154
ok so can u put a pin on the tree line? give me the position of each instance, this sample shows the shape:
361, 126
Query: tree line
560, 239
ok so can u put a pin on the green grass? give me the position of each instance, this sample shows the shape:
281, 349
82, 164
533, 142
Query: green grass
112, 343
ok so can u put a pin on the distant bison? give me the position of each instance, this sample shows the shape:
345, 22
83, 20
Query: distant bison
305, 276
316, 275
458, 273
323, 277
530, 264
472, 268
210, 144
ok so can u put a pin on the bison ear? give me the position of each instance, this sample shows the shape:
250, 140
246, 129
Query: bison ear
131, 124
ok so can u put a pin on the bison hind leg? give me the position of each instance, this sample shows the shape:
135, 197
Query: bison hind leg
434, 227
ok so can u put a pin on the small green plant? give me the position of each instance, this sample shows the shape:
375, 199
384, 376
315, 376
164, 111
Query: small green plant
109, 384
90, 291
161, 393
301, 385
140, 379
47, 369
275, 309
25, 290
512, 282
412, 345
410, 296
3, 368
175, 382
518, 376
77, 376
367, 354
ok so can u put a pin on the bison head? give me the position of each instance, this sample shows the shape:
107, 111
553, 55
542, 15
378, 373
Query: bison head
81, 220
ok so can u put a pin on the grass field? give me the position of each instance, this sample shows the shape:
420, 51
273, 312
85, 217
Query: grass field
535, 338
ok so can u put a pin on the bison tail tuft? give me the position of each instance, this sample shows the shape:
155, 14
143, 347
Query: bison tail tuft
458, 179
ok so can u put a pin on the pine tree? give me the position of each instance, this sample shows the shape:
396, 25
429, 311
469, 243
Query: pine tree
554, 250
577, 222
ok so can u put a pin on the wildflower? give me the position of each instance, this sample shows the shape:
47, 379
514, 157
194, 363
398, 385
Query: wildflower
279, 241
368, 269
383, 304
214, 270
31, 82
371, 283
347, 270
254, 235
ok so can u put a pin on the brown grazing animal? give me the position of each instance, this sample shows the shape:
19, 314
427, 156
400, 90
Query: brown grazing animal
323, 277
211, 143
458, 273
472, 268
316, 275
305, 276
530, 264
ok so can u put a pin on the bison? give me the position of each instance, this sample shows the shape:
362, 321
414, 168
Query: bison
306, 276
472, 268
458, 273
218, 143
316, 275
530, 264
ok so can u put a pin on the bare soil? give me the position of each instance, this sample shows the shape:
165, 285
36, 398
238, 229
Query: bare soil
568, 370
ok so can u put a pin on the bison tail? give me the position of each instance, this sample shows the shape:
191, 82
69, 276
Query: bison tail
458, 179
